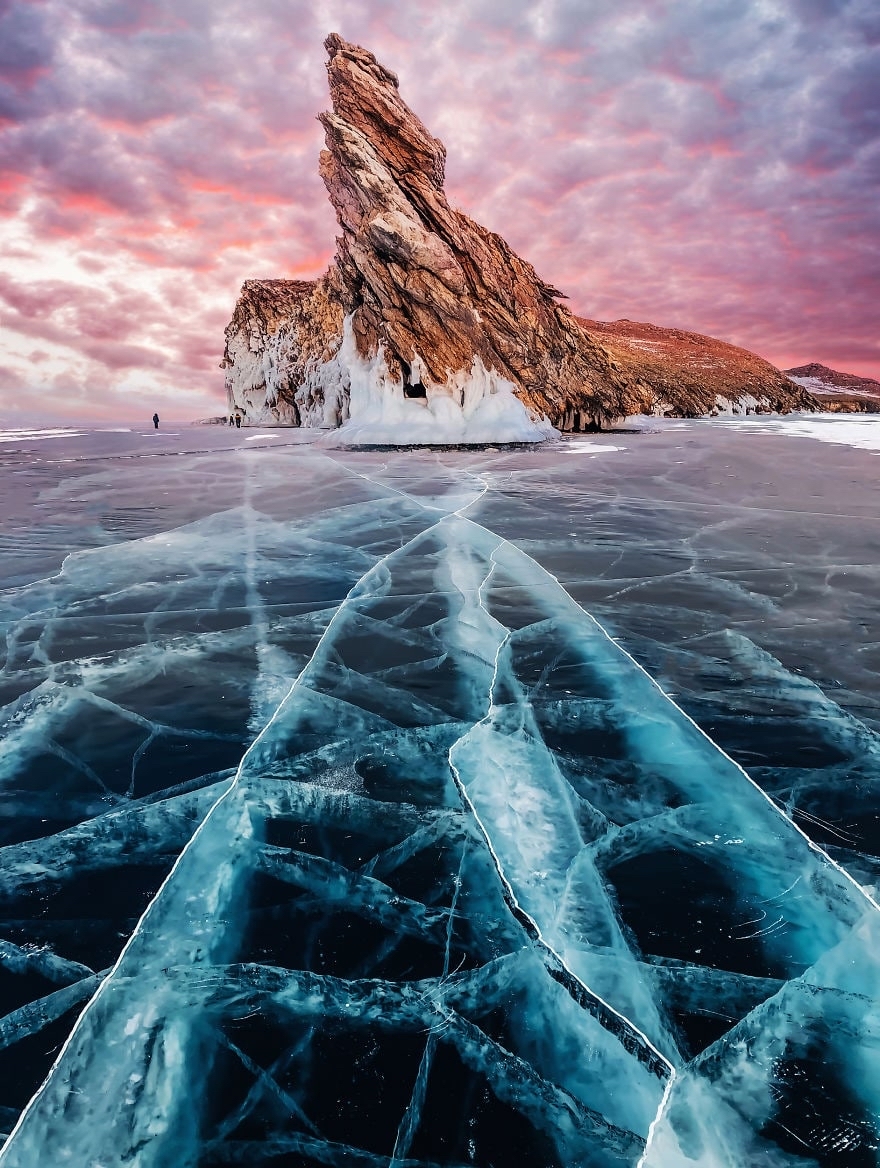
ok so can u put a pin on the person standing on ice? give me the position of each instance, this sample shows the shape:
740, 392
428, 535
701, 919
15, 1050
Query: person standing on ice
155, 421
238, 421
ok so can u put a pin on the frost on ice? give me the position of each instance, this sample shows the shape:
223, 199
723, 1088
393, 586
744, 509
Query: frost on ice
456, 882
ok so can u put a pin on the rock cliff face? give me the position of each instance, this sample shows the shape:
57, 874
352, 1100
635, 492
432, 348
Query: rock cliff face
281, 353
426, 315
686, 374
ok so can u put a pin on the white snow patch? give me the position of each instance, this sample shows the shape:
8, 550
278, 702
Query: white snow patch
655, 423
813, 384
257, 437
37, 435
845, 429
478, 406
591, 448
817, 386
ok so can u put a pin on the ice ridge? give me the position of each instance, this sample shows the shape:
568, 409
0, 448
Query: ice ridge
630, 1036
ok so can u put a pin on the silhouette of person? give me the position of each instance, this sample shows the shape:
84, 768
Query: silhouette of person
238, 421
155, 421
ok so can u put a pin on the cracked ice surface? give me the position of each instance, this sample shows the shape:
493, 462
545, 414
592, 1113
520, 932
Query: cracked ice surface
436, 873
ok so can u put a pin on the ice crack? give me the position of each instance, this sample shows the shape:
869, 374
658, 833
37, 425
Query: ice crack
371, 576
634, 1040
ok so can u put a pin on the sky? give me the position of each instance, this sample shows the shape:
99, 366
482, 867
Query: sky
703, 164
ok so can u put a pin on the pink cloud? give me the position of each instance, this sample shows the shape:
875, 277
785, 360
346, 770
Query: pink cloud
697, 165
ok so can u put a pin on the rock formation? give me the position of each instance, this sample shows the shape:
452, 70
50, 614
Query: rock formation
282, 346
836, 392
424, 309
686, 374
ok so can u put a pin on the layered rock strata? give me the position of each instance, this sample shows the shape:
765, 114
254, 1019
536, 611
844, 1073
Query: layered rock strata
422, 308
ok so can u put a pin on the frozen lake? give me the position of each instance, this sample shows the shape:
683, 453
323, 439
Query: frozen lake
418, 808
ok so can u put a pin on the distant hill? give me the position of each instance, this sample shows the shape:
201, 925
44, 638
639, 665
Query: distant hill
680, 372
838, 392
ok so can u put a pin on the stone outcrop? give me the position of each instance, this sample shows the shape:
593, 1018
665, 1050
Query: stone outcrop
423, 303
836, 392
684, 374
281, 353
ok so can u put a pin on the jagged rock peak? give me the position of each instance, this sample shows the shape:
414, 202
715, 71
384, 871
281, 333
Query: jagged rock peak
432, 289
423, 303
366, 95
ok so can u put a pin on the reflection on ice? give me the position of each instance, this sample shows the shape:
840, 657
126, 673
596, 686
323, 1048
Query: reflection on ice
416, 864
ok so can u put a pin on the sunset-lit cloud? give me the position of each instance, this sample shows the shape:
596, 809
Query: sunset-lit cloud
698, 164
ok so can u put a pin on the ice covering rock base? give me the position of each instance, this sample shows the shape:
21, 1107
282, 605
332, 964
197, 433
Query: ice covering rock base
471, 407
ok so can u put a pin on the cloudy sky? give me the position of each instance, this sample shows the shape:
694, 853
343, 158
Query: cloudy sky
707, 164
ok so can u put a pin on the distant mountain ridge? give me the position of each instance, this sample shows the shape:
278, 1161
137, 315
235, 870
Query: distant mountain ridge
838, 392
420, 302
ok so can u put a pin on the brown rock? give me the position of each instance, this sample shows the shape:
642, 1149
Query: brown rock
437, 294
836, 392
687, 374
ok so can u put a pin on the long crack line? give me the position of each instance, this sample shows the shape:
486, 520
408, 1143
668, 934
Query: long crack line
642, 1046
353, 594
860, 889
520, 912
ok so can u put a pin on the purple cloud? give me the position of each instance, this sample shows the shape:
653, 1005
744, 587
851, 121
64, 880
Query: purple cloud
696, 164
